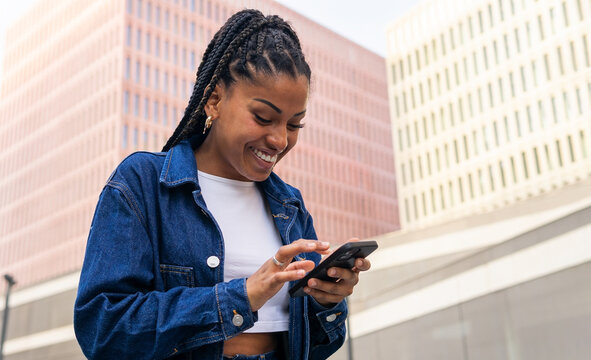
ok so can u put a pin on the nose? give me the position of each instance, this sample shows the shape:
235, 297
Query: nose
277, 138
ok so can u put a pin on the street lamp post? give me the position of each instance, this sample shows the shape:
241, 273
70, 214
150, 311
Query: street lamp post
349, 343
10, 280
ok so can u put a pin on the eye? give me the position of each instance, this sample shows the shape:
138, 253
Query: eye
261, 120
295, 126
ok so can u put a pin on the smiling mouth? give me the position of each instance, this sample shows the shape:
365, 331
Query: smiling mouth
267, 158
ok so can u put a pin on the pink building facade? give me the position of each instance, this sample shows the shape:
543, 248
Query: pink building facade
87, 82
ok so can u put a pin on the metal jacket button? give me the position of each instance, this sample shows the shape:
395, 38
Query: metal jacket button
213, 261
331, 317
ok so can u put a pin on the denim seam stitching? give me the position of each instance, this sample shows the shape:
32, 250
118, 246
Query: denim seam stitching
125, 191
217, 299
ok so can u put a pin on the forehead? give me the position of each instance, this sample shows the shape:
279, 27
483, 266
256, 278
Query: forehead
281, 88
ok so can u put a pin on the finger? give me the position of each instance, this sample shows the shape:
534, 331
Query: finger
343, 274
361, 264
288, 252
291, 275
306, 265
341, 288
323, 297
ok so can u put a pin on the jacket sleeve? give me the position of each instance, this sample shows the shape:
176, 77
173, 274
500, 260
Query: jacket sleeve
327, 325
117, 313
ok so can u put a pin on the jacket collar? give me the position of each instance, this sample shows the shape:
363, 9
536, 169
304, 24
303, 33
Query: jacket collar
180, 168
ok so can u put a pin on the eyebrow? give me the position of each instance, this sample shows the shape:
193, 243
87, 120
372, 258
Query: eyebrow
272, 106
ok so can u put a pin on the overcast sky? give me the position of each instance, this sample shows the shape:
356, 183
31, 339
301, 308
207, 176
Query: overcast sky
364, 22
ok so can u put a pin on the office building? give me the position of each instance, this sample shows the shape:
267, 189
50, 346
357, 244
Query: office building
490, 104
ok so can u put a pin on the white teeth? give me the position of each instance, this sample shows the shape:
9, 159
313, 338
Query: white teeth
265, 157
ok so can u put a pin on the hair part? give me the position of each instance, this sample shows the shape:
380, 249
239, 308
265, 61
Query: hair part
249, 44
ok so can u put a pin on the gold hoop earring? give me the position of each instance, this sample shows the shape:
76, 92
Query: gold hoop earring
208, 122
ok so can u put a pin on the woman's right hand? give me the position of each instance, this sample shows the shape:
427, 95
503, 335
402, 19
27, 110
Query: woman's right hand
270, 277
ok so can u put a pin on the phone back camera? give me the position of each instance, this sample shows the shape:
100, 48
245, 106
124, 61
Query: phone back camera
349, 254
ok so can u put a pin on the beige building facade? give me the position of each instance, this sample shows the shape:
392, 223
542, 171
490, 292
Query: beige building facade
87, 82
490, 104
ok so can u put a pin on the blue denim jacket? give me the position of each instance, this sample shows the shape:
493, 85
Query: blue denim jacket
146, 290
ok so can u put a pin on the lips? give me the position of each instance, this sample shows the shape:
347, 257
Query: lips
265, 157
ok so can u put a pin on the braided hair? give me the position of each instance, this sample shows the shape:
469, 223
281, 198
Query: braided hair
248, 43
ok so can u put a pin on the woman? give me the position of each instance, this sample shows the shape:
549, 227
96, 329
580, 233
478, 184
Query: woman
191, 250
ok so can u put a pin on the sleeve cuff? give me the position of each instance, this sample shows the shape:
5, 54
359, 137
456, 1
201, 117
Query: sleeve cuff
234, 307
330, 319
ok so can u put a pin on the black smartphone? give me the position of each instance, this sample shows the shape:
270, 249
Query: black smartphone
343, 257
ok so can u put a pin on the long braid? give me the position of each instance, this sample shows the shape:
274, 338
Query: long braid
199, 111
203, 75
248, 41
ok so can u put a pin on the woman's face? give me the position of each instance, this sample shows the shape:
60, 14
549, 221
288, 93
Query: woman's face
255, 123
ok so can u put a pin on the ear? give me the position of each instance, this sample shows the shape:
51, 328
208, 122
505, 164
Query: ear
212, 105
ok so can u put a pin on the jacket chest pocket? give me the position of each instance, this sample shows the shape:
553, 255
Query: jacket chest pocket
174, 276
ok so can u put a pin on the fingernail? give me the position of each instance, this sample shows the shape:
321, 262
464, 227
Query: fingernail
307, 290
310, 245
332, 272
324, 243
301, 273
313, 283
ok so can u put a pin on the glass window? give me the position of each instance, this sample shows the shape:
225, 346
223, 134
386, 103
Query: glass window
149, 11
146, 110
166, 82
157, 46
155, 111
513, 172
138, 38
573, 56
147, 75
126, 102
586, 51
570, 148
502, 173
165, 114
136, 105
547, 67
560, 63
583, 144
548, 157
559, 153
139, 9
127, 68
135, 135
128, 35
148, 43
524, 164
156, 79
157, 15
137, 71
124, 136
541, 28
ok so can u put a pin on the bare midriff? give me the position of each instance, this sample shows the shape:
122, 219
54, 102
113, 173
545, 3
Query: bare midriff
252, 343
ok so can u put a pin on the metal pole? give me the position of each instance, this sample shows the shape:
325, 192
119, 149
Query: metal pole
349, 342
10, 280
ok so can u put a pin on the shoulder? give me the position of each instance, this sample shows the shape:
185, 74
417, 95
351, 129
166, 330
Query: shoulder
138, 168
282, 189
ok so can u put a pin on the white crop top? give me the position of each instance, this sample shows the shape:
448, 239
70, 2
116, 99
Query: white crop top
250, 239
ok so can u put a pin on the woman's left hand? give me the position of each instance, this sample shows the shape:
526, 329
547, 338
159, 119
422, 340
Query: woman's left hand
328, 293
